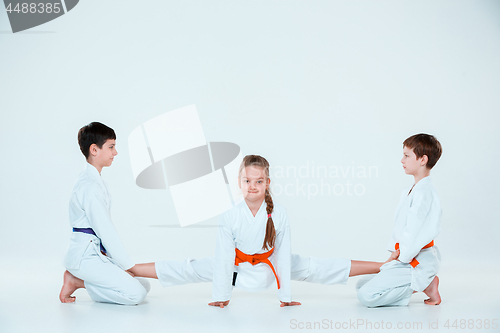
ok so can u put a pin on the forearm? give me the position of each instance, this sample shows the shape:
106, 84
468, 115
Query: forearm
222, 280
100, 222
224, 264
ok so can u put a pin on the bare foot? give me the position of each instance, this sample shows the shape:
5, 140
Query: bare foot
219, 304
292, 303
433, 292
70, 284
394, 256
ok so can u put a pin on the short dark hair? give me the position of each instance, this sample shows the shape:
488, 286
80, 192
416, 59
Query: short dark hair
94, 133
425, 144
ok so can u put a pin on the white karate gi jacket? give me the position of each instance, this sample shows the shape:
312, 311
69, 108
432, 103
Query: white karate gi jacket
238, 228
417, 223
89, 207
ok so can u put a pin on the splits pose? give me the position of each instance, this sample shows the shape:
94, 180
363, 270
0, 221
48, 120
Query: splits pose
417, 223
97, 260
253, 249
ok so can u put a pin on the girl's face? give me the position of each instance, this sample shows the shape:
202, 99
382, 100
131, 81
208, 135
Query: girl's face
253, 183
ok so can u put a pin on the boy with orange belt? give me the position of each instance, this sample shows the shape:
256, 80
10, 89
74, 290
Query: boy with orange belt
417, 223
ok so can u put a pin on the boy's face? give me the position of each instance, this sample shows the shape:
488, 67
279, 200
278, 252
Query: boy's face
104, 156
410, 162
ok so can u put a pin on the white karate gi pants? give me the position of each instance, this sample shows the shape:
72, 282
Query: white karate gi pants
390, 287
107, 282
320, 270
314, 270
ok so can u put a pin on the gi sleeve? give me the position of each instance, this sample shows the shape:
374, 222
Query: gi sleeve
224, 262
282, 250
422, 225
100, 221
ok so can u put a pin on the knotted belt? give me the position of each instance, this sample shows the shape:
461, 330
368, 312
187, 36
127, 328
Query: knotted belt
254, 259
414, 263
90, 231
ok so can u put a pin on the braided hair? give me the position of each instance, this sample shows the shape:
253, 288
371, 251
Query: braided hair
259, 161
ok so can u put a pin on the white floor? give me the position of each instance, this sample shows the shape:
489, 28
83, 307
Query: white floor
29, 303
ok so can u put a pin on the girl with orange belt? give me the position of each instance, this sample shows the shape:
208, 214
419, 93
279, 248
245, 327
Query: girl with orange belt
253, 249
253, 245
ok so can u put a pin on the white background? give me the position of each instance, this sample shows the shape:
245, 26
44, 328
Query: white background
329, 83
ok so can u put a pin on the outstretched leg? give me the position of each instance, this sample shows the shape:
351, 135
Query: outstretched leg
364, 267
433, 292
332, 271
144, 270
315, 270
70, 284
173, 273
369, 267
320, 270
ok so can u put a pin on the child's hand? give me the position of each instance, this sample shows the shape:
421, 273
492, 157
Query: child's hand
219, 304
283, 304
394, 256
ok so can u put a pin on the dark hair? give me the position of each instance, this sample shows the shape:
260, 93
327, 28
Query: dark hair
425, 144
94, 133
259, 161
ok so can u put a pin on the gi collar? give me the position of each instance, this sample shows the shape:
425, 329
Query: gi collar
92, 171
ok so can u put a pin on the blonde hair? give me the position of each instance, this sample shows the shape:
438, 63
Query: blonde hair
261, 162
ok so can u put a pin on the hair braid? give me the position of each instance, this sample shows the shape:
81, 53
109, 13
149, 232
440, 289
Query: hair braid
270, 230
261, 162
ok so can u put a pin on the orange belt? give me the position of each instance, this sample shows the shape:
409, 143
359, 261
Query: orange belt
255, 259
415, 262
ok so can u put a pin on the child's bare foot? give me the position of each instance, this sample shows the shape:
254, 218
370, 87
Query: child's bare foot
70, 284
394, 256
433, 292
219, 304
